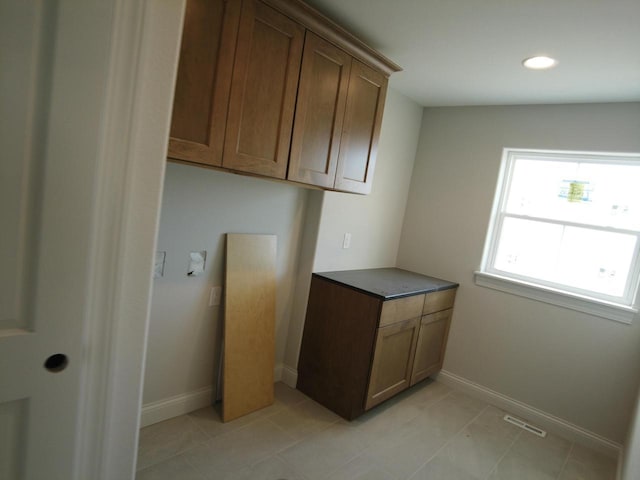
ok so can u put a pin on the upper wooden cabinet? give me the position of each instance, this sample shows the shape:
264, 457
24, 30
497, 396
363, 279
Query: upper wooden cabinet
203, 81
263, 91
322, 97
361, 129
274, 88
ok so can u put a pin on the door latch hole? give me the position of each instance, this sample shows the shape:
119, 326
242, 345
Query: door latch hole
56, 362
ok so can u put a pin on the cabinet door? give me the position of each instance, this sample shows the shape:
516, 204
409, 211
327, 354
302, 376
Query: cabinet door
203, 81
322, 95
361, 129
432, 340
392, 361
263, 91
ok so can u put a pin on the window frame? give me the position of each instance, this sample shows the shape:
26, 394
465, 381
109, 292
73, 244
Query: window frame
623, 309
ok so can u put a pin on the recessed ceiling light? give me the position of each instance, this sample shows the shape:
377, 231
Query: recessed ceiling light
539, 63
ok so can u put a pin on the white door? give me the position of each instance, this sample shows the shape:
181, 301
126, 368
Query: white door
56, 117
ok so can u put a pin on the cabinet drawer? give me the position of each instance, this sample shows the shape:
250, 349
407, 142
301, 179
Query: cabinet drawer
437, 301
401, 309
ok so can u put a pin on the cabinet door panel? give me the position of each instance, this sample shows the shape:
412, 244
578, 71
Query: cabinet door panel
432, 340
322, 95
392, 361
263, 91
361, 129
203, 81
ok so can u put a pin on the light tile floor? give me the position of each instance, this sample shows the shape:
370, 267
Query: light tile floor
429, 432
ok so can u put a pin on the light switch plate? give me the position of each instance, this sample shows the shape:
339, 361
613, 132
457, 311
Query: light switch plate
346, 243
196, 263
215, 296
158, 266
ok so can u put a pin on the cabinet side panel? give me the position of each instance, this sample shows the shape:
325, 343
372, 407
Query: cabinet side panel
337, 347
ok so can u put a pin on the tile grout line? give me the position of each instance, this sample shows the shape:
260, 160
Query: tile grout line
351, 459
506, 452
180, 451
292, 467
364, 450
209, 437
566, 460
448, 442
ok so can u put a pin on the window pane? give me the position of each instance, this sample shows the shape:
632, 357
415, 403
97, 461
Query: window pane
590, 193
595, 260
579, 258
615, 201
529, 248
536, 187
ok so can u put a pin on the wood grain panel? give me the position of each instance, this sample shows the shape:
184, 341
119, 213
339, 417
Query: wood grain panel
392, 361
203, 81
315, 21
430, 348
361, 129
249, 324
401, 309
322, 95
263, 91
337, 347
436, 301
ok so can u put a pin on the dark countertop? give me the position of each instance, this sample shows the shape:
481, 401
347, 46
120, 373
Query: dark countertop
388, 283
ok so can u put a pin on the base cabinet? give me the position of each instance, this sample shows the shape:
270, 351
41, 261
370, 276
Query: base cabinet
359, 349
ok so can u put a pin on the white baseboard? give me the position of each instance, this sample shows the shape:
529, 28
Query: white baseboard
542, 419
289, 376
167, 408
277, 372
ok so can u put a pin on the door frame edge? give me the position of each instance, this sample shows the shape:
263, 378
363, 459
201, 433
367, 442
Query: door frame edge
144, 48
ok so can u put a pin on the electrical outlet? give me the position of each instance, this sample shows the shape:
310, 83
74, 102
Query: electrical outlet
346, 243
215, 296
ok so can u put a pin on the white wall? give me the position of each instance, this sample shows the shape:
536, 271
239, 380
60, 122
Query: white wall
578, 367
631, 468
199, 206
374, 220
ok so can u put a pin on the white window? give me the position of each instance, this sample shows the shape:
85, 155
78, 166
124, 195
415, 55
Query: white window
565, 229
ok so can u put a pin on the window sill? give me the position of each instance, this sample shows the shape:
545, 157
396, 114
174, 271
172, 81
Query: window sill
599, 308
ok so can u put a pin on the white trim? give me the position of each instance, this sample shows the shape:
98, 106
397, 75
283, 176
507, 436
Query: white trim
599, 308
543, 419
167, 408
289, 376
586, 298
145, 37
277, 372
106, 244
183, 403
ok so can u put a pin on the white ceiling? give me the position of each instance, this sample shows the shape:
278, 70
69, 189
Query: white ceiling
469, 52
